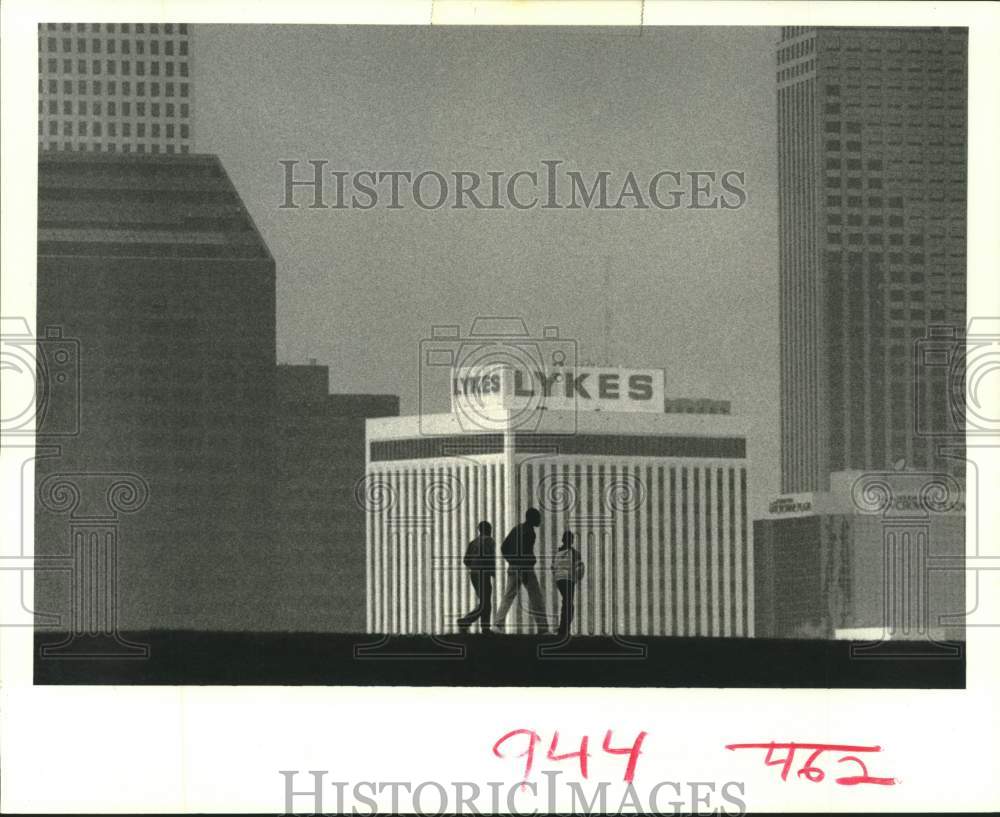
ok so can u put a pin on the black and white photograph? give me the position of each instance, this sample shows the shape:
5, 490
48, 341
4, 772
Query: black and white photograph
553, 357
526, 344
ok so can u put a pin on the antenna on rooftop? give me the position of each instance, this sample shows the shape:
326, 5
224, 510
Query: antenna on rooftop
608, 317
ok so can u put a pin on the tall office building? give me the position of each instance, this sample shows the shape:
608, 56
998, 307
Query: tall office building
115, 87
872, 186
152, 274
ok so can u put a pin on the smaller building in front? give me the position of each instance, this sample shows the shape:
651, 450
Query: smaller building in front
320, 447
657, 502
879, 556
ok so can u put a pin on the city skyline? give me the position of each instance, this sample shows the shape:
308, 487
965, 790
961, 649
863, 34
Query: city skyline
693, 292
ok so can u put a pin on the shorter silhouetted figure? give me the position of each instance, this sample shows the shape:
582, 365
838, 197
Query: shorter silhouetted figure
568, 569
480, 559
519, 551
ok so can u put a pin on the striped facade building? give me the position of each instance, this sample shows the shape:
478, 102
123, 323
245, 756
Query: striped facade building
657, 502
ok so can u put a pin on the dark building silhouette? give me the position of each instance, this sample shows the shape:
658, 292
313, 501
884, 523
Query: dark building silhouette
872, 194
319, 580
154, 269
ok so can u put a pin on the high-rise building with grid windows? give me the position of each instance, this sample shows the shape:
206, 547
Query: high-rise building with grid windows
872, 202
115, 87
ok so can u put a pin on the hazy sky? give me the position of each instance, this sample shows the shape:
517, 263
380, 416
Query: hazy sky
694, 292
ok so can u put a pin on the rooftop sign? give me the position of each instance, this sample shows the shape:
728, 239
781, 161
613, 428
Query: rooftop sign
508, 387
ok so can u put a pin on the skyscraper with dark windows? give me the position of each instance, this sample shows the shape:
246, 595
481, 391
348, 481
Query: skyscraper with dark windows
115, 87
872, 200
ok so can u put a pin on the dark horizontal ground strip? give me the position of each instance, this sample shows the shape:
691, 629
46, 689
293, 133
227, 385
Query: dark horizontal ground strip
183, 657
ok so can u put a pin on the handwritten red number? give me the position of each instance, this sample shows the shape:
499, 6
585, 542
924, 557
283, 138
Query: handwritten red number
810, 771
632, 751
863, 777
528, 754
583, 754
814, 774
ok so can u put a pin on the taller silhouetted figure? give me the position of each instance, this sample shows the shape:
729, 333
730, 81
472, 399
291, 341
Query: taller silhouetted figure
519, 551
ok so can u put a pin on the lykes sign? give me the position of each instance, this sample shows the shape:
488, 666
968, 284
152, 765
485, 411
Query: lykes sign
586, 388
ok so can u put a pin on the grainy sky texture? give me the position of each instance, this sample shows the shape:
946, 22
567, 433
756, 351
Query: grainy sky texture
693, 291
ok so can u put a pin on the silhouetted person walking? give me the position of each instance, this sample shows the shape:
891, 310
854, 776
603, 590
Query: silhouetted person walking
519, 551
480, 559
568, 570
